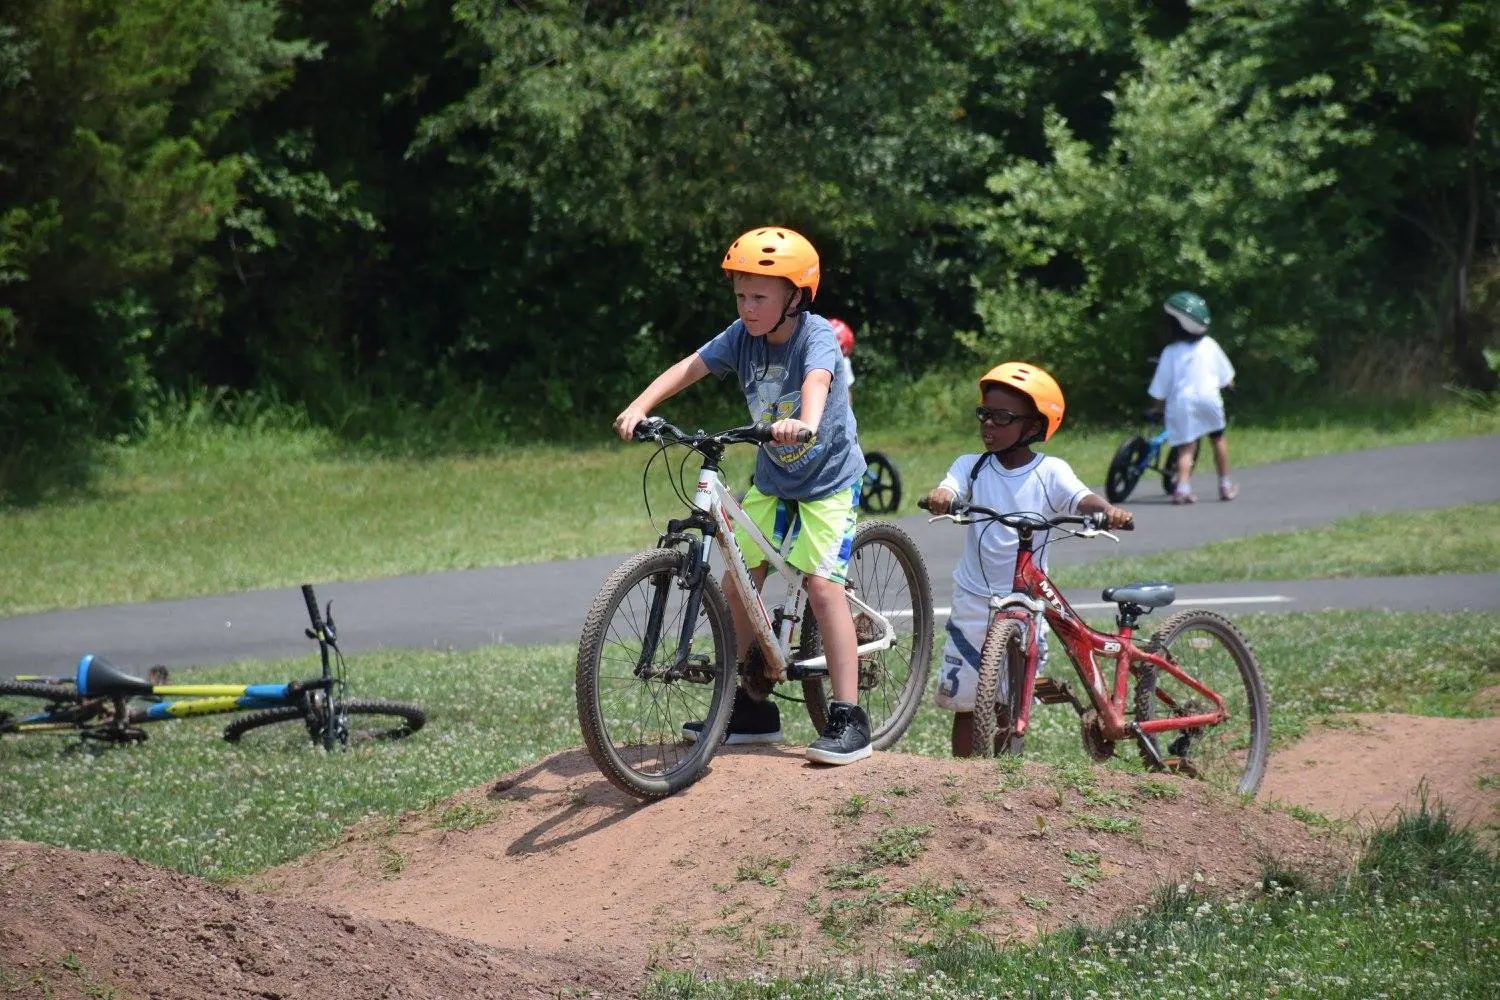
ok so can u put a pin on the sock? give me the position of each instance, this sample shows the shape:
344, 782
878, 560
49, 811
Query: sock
1184, 488
1223, 482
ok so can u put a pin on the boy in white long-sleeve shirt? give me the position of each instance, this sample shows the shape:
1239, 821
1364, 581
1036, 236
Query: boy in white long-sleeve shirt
1189, 378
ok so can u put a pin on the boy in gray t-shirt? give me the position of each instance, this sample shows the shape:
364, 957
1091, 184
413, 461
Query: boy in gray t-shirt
788, 365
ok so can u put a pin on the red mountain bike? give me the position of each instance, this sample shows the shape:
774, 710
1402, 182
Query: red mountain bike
1195, 676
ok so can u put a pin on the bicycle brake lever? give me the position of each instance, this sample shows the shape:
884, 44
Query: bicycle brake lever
955, 518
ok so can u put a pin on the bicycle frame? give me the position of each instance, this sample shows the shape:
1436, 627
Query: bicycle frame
715, 513
1035, 598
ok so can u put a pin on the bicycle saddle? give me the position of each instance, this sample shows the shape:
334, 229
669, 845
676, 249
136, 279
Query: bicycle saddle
97, 677
1145, 595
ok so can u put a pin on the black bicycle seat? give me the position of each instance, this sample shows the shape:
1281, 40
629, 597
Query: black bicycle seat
1144, 595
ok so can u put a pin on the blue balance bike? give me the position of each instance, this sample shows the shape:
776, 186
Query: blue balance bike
1137, 456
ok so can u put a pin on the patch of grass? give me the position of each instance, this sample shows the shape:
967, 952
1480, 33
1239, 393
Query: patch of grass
1036, 902
1310, 817
1419, 916
465, 816
895, 845
1398, 543
205, 507
765, 869
1156, 788
1129, 825
851, 808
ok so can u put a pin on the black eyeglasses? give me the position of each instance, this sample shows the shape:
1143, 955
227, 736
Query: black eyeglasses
1000, 418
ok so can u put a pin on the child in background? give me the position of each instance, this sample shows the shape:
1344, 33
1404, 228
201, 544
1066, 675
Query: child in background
845, 335
1019, 405
1189, 378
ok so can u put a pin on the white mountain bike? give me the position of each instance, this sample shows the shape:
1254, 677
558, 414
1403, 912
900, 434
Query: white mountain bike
658, 645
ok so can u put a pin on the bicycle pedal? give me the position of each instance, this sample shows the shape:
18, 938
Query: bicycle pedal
1051, 692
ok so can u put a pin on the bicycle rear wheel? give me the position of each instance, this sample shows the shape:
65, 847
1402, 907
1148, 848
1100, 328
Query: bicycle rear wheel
881, 490
361, 720
887, 572
635, 691
47, 707
1002, 656
1125, 469
1208, 648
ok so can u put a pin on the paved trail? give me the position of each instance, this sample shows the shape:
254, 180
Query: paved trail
545, 602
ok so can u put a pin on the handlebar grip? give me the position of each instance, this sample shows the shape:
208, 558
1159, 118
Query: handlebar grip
923, 504
1128, 526
312, 607
647, 429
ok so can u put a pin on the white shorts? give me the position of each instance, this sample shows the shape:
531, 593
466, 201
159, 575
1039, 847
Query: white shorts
958, 676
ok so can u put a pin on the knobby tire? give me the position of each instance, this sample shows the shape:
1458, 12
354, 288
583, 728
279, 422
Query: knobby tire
892, 681
1003, 655
399, 719
632, 724
1208, 647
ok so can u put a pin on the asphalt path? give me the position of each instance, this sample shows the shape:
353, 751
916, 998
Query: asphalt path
546, 602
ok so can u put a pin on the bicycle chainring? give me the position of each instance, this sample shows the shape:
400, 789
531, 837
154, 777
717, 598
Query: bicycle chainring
754, 675
1094, 742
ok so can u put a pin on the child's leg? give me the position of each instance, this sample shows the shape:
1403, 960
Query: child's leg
1221, 454
744, 633
831, 605
1185, 457
962, 740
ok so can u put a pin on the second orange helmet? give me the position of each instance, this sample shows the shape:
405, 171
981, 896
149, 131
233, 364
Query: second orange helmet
1042, 388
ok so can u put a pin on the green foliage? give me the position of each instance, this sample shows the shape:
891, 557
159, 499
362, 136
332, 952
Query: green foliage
456, 223
106, 115
1210, 182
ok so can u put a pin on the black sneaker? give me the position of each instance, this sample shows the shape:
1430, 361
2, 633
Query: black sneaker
845, 739
750, 721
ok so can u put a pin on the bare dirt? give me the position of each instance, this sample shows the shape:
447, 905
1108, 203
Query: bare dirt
549, 882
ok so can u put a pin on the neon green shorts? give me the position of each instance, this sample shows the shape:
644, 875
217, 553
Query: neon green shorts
822, 530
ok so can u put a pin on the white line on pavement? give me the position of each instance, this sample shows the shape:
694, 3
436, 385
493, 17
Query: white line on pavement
1099, 605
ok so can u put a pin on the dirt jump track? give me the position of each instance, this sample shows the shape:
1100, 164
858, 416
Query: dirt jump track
549, 882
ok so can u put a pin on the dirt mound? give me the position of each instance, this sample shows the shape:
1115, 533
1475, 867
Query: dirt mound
551, 882
75, 924
770, 863
1364, 768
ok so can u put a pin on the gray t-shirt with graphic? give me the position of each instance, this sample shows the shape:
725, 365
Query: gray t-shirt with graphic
771, 376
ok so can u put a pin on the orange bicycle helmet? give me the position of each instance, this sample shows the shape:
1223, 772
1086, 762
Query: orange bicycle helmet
776, 251
1045, 394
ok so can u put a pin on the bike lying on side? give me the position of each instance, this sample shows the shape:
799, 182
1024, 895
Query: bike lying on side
105, 704
1196, 676
658, 644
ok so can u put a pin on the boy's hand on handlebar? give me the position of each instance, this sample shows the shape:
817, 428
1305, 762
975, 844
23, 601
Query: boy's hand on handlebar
1118, 519
625, 423
791, 431
937, 501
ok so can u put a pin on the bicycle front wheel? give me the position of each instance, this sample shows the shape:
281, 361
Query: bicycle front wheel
1125, 469
1208, 648
1002, 658
358, 720
636, 685
886, 571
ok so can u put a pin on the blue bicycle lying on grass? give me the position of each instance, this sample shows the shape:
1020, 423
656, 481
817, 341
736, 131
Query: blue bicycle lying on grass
103, 703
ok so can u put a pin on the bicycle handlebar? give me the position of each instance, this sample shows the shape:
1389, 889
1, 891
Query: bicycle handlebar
1090, 522
657, 429
312, 607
